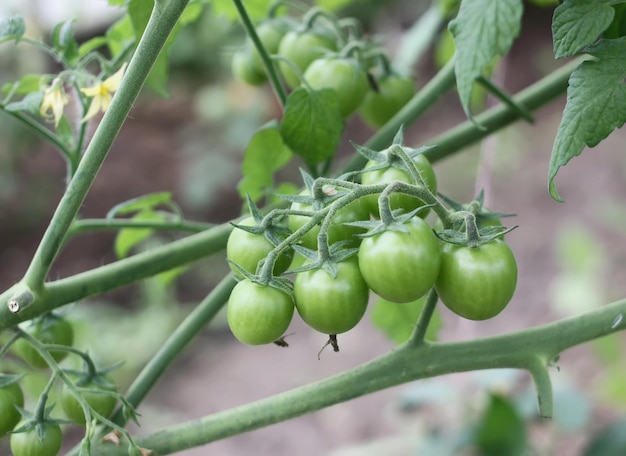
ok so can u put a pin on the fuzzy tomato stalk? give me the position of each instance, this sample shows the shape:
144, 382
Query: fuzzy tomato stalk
247, 249
344, 76
258, 314
337, 231
401, 267
407, 203
332, 305
477, 282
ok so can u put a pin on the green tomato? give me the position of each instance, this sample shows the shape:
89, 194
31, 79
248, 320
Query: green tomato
29, 444
401, 267
332, 305
245, 68
10, 396
101, 403
49, 329
394, 91
271, 34
344, 76
337, 231
247, 249
398, 200
302, 48
477, 283
258, 314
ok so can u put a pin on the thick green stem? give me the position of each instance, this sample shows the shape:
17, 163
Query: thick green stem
115, 275
521, 350
417, 338
86, 225
267, 61
162, 20
532, 98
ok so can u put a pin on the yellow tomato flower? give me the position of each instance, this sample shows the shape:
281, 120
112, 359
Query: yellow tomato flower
53, 103
102, 93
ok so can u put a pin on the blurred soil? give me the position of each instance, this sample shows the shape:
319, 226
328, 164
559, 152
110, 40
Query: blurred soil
217, 372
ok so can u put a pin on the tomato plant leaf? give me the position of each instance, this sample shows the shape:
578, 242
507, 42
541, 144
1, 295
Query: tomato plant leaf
578, 23
30, 103
149, 201
596, 104
128, 238
501, 430
617, 28
27, 84
63, 41
482, 30
12, 28
397, 321
312, 124
266, 153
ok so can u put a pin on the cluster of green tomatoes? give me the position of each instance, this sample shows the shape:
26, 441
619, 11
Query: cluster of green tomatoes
353, 238
322, 52
35, 432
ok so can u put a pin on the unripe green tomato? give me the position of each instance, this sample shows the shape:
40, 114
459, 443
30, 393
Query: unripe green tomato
10, 396
245, 68
271, 34
51, 329
477, 282
101, 403
407, 203
337, 231
401, 267
29, 444
258, 314
302, 48
344, 76
247, 249
331, 305
394, 91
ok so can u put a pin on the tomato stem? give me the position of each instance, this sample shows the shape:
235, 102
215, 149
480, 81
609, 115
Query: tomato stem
417, 338
279, 90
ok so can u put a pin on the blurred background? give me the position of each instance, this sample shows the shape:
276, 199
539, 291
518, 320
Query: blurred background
571, 256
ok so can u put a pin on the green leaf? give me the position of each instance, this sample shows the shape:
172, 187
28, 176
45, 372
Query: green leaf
149, 201
120, 35
501, 430
397, 321
312, 124
30, 104
128, 238
27, 84
91, 45
578, 23
12, 28
609, 441
63, 40
483, 30
333, 5
266, 153
618, 26
159, 75
596, 104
